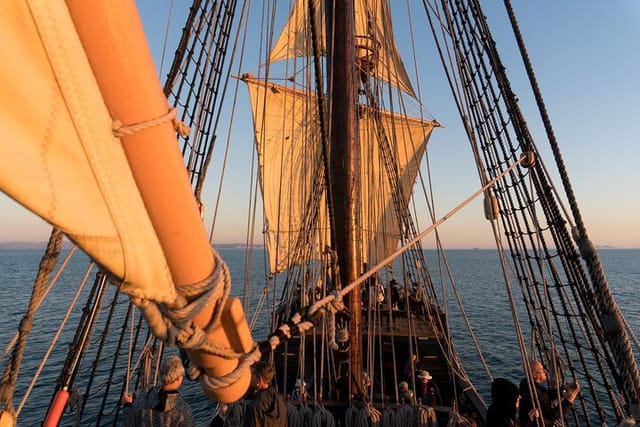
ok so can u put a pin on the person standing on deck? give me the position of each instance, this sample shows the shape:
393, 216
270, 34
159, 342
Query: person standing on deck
300, 391
425, 392
406, 394
267, 407
551, 408
410, 367
504, 404
221, 415
395, 294
162, 406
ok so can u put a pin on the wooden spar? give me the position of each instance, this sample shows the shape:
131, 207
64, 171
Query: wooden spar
57, 408
344, 169
116, 46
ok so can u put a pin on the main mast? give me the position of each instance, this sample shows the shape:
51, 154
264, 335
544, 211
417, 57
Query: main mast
345, 164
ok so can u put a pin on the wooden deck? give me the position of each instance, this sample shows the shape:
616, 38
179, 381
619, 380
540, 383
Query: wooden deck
392, 333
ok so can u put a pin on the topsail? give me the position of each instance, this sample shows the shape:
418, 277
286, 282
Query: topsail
376, 49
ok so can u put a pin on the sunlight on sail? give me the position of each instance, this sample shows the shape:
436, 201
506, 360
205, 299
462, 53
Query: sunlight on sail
374, 40
62, 125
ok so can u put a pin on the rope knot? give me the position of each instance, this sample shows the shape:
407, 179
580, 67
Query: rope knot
180, 127
314, 316
119, 130
336, 304
211, 384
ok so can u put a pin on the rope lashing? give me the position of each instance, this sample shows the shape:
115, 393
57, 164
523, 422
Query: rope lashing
244, 366
302, 321
175, 324
181, 328
119, 130
305, 319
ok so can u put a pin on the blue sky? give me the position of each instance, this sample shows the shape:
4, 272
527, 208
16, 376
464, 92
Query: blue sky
587, 62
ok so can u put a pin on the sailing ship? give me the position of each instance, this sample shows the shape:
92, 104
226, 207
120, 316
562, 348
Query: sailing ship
119, 164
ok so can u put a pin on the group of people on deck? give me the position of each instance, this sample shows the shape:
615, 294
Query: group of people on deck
414, 373
396, 295
513, 406
164, 406
530, 404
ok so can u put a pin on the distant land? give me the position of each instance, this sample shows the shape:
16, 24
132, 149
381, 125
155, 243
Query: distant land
29, 245
67, 245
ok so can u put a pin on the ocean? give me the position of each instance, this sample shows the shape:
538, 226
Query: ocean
478, 278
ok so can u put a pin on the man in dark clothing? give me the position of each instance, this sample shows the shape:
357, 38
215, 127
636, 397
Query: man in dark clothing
220, 416
504, 404
162, 406
551, 408
267, 408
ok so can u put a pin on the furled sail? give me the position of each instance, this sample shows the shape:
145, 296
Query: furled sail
377, 52
288, 145
57, 136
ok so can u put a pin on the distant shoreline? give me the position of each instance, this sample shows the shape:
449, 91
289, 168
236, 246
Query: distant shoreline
67, 245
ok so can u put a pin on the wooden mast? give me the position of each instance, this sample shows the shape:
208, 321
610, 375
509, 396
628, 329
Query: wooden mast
345, 164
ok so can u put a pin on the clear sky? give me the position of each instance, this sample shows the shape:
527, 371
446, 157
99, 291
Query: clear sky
587, 62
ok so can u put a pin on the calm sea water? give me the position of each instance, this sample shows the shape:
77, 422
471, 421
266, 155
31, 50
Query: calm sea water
478, 277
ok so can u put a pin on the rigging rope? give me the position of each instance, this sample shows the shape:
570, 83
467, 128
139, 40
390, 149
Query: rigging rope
54, 280
175, 325
308, 317
10, 375
54, 340
120, 130
558, 297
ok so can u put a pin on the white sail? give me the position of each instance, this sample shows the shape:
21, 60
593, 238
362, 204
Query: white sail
374, 40
58, 156
288, 145
408, 138
287, 140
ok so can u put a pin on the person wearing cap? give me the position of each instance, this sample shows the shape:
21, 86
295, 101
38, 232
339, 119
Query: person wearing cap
405, 393
422, 386
551, 407
163, 405
299, 391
